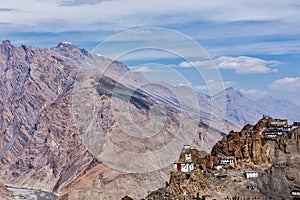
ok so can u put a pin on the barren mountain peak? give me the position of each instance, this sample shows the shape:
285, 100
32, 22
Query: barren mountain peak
6, 42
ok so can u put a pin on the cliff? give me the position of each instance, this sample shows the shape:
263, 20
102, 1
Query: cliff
251, 163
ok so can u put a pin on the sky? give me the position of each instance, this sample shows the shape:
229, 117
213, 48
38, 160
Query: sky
254, 45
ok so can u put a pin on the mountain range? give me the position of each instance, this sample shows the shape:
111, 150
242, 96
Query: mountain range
83, 126
242, 110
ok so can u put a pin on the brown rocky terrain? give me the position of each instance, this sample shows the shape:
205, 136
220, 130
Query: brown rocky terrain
275, 159
38, 135
4, 192
49, 131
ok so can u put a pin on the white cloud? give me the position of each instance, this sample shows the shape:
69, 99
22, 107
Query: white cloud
147, 69
151, 44
246, 65
143, 69
59, 15
79, 2
196, 64
214, 85
290, 84
260, 48
254, 93
240, 64
144, 54
105, 17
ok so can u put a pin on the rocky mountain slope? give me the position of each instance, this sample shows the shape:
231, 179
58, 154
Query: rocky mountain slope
5, 193
62, 119
247, 164
279, 108
39, 144
240, 110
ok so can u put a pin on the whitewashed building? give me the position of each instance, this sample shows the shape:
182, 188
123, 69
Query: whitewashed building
295, 125
279, 122
186, 146
251, 174
285, 128
227, 161
252, 187
183, 167
188, 156
218, 167
295, 193
272, 134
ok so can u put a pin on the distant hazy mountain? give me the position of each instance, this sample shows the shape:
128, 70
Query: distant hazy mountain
239, 109
280, 108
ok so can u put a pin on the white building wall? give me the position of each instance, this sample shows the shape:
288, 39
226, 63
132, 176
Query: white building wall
191, 166
218, 167
184, 167
251, 174
296, 193
227, 161
175, 166
188, 156
187, 167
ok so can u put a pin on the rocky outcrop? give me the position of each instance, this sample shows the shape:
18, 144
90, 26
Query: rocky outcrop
187, 185
5, 194
127, 198
274, 159
247, 145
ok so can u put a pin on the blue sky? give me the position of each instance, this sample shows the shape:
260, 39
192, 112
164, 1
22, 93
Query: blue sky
255, 45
